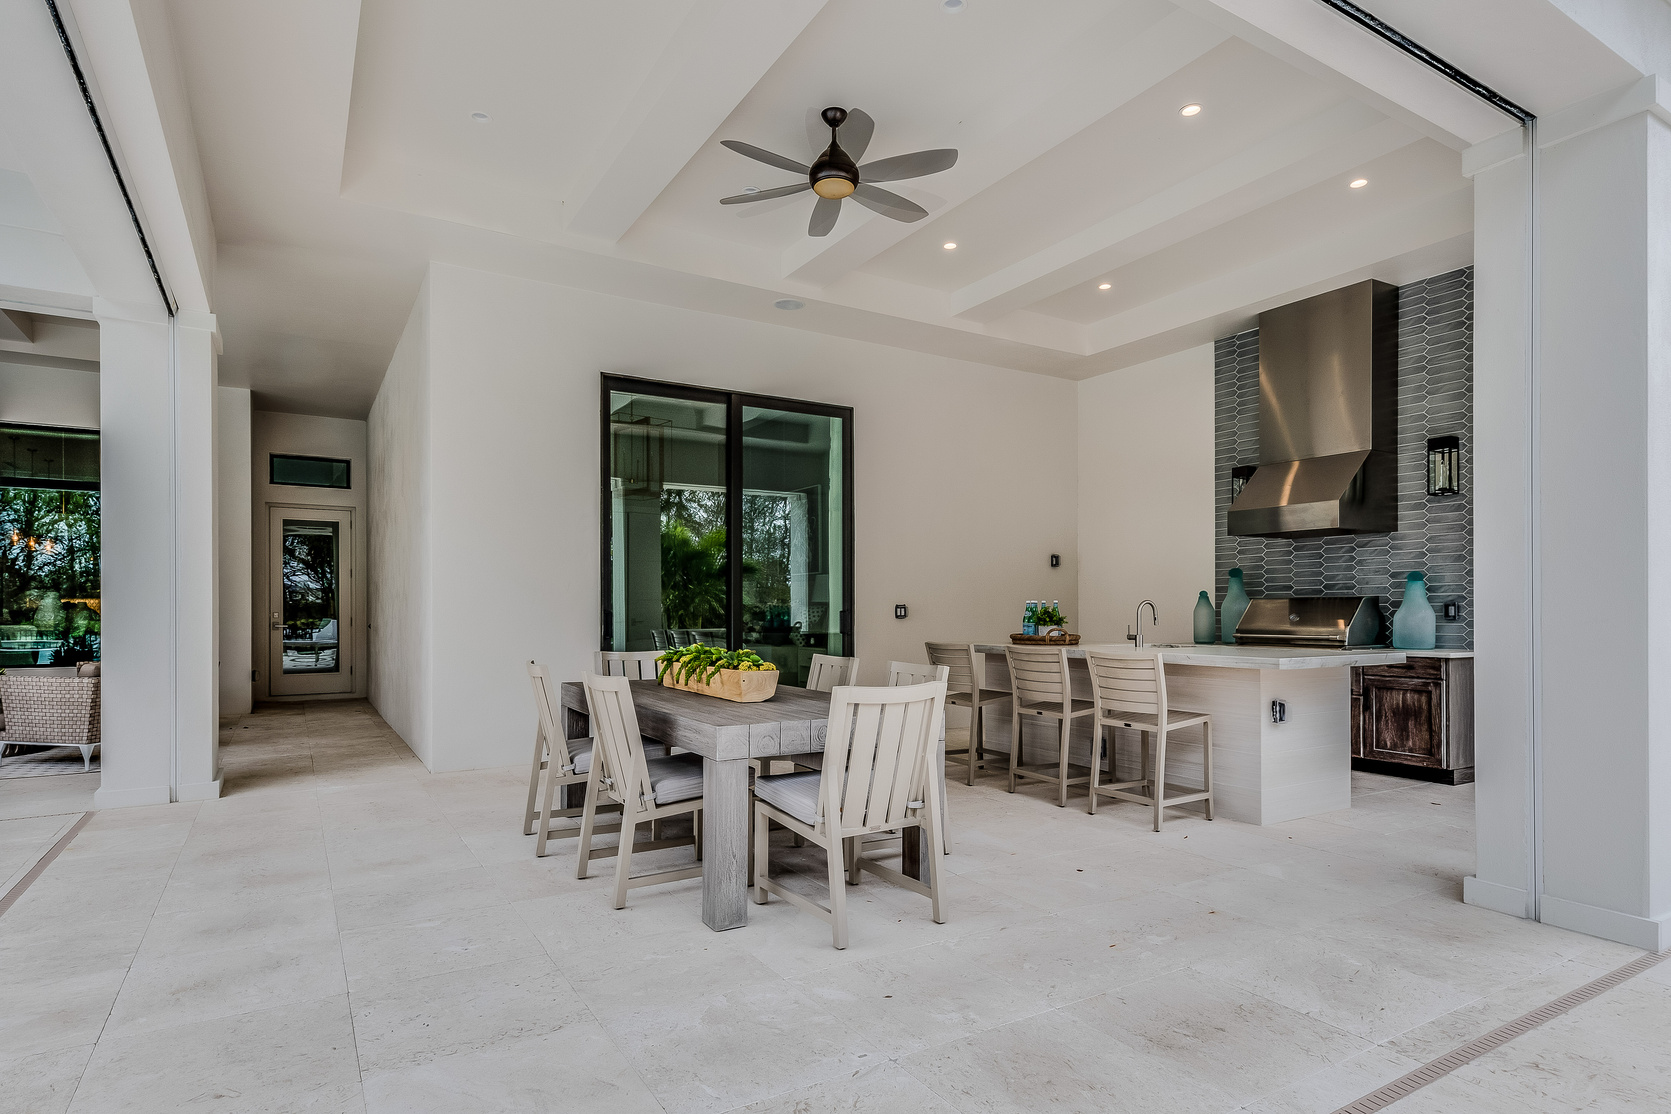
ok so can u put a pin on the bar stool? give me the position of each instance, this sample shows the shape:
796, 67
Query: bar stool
1130, 691
1042, 689
965, 671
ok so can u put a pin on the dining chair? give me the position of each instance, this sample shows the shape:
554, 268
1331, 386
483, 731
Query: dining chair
826, 672
910, 673
647, 789
964, 690
635, 665
1130, 691
877, 752
663, 639
1043, 690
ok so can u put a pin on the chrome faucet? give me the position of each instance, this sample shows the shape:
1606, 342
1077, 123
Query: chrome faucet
1154, 617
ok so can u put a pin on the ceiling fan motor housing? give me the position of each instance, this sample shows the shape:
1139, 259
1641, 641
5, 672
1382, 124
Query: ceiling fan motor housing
834, 174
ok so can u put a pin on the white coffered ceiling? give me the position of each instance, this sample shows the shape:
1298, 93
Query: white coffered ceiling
340, 156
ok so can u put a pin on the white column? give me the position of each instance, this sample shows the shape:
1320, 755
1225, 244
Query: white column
157, 501
234, 584
1589, 668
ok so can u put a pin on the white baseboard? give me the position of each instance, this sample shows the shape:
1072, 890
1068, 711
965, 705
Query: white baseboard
1494, 896
201, 791
131, 798
1650, 933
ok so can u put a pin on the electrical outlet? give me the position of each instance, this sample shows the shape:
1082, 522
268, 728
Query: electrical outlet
1279, 711
899, 611
1055, 560
1452, 610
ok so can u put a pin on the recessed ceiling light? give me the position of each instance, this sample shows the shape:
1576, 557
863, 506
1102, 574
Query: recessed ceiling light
1358, 183
480, 117
950, 245
1105, 286
788, 303
952, 5
1190, 110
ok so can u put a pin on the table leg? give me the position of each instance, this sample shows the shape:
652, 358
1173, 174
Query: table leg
915, 854
724, 844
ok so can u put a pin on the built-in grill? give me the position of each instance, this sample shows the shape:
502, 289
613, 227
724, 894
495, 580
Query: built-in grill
1324, 622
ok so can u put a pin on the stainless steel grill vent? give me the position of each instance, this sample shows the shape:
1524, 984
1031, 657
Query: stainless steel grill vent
1322, 622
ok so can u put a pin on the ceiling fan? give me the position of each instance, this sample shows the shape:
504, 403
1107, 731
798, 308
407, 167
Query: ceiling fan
836, 174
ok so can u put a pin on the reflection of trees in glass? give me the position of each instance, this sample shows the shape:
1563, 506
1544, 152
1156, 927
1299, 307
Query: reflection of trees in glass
693, 574
49, 569
766, 551
309, 580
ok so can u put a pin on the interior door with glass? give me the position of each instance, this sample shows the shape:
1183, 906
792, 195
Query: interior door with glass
310, 602
796, 534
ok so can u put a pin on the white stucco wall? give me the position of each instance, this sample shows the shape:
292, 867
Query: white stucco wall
57, 396
399, 574
1145, 457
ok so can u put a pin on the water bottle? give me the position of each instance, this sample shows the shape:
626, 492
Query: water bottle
1028, 626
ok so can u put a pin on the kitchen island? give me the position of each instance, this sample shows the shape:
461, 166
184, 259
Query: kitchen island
1264, 772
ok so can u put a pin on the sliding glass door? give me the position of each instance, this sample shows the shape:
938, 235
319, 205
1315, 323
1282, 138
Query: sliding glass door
727, 519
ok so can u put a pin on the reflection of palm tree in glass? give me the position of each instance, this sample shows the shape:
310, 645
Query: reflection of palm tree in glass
693, 576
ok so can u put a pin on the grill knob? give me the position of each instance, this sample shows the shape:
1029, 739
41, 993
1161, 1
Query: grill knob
1293, 618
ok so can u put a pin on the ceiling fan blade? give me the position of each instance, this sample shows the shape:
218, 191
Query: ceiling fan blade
914, 165
889, 204
765, 195
824, 216
760, 154
856, 132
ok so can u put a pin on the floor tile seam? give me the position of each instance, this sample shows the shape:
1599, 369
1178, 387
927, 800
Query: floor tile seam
35, 864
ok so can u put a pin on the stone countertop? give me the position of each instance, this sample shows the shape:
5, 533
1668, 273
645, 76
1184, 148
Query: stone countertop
1242, 657
1437, 653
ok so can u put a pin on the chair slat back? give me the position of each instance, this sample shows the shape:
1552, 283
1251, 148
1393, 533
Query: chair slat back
827, 672
1127, 683
876, 754
662, 638
962, 662
539, 675
615, 729
1039, 674
635, 665
910, 673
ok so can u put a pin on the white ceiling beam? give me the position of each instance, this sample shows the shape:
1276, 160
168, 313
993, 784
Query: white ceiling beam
1308, 152
1322, 42
1329, 260
720, 52
1105, 69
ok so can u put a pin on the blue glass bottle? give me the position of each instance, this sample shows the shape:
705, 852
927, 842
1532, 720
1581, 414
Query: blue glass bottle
1206, 620
1413, 625
1235, 602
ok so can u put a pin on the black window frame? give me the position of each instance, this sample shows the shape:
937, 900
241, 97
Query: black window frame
734, 403
347, 471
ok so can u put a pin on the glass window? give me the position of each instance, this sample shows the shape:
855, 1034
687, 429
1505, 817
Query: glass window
49, 546
312, 595
307, 471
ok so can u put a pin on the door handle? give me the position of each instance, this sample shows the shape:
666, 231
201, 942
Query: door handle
278, 626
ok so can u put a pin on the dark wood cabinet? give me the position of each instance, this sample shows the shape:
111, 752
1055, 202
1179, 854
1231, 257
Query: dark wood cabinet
1416, 719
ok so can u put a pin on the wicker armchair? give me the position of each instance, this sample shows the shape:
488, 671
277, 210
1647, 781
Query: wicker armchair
50, 711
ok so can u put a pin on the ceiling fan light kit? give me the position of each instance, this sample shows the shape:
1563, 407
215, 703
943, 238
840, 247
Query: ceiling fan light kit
836, 174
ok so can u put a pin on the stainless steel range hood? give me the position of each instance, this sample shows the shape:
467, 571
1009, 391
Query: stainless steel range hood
1328, 418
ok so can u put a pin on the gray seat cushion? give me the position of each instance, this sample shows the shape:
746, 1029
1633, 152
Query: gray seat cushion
795, 794
580, 753
675, 778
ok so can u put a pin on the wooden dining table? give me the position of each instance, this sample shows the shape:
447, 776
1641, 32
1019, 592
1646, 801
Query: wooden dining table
727, 734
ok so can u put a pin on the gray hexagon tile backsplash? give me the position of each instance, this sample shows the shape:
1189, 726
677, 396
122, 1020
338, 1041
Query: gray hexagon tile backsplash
1435, 534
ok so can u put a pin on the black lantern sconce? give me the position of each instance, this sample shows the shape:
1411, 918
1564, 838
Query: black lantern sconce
1239, 476
1444, 465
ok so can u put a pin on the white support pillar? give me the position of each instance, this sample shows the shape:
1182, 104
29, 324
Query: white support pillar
1589, 669
156, 399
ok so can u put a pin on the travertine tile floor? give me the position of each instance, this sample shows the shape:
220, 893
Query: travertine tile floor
344, 931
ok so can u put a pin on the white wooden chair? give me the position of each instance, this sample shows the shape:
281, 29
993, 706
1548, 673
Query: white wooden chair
635, 665
963, 690
1130, 692
909, 673
876, 778
648, 789
1042, 689
826, 672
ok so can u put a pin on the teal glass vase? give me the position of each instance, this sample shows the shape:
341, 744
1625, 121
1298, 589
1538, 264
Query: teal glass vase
1414, 626
1235, 602
1206, 620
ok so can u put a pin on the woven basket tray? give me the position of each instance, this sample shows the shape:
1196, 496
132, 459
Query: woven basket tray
1045, 639
730, 684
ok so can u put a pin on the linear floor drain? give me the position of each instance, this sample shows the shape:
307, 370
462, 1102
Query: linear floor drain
9, 898
1474, 1049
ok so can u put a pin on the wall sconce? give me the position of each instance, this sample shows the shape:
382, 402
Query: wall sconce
1239, 476
1444, 465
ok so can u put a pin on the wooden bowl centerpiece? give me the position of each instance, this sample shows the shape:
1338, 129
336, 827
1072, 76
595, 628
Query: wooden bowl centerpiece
742, 676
